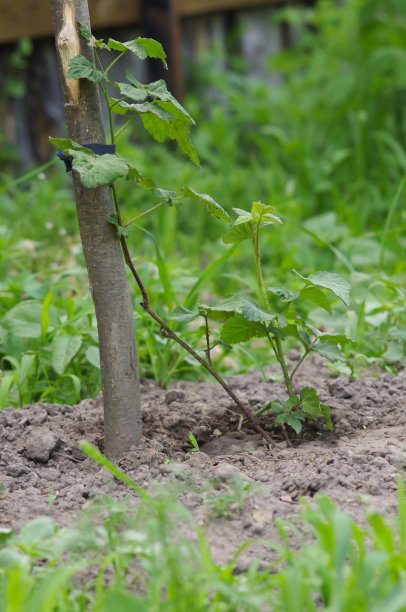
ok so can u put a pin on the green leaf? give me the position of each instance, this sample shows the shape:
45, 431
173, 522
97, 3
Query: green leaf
325, 411
312, 294
212, 206
293, 419
141, 47
26, 366
119, 599
6, 383
277, 407
238, 329
252, 312
333, 282
310, 402
223, 308
66, 145
239, 231
183, 315
167, 195
85, 31
175, 129
93, 356
24, 320
81, 68
142, 181
284, 294
292, 401
131, 91
97, 170
328, 350
87, 35
64, 348
113, 220
45, 314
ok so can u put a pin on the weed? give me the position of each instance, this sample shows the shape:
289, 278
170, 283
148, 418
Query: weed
229, 501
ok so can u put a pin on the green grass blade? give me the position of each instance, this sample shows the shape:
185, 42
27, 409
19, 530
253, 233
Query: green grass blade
208, 273
92, 452
388, 221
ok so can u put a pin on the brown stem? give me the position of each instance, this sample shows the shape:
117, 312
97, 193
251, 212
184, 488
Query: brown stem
208, 354
169, 333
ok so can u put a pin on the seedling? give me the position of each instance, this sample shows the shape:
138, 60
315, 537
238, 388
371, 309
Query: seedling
229, 501
163, 117
242, 317
194, 443
275, 318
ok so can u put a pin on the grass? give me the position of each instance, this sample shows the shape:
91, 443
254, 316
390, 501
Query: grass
115, 558
326, 147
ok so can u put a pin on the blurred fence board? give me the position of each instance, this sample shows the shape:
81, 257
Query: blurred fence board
33, 17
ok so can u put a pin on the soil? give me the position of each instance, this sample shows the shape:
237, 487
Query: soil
43, 472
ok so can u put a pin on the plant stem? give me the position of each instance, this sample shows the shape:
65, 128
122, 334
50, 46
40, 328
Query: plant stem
275, 341
125, 125
207, 341
143, 214
258, 268
113, 62
299, 363
169, 333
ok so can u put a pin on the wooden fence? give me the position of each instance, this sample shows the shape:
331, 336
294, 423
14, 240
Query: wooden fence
185, 27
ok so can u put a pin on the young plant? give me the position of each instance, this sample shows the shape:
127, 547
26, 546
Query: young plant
163, 117
245, 319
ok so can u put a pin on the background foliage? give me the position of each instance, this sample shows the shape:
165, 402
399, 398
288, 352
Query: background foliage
325, 146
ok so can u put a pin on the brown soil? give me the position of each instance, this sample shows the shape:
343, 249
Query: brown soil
44, 472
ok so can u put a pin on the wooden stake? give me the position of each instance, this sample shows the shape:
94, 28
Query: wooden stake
107, 276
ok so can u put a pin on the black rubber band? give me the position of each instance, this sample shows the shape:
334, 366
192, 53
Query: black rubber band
98, 149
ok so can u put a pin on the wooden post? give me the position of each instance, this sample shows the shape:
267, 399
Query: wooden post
160, 20
107, 276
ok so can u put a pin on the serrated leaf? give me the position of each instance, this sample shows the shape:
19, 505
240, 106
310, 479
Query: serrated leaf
304, 337
239, 231
113, 220
331, 281
92, 40
66, 145
213, 207
328, 350
137, 93
85, 31
292, 401
97, 170
167, 195
277, 407
237, 329
220, 309
252, 312
64, 348
81, 68
294, 420
176, 129
183, 315
325, 411
284, 294
121, 107
310, 402
316, 296
142, 181
141, 47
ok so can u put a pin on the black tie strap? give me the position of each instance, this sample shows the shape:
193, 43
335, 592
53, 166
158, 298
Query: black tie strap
98, 149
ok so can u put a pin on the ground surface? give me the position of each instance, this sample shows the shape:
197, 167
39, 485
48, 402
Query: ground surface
43, 471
